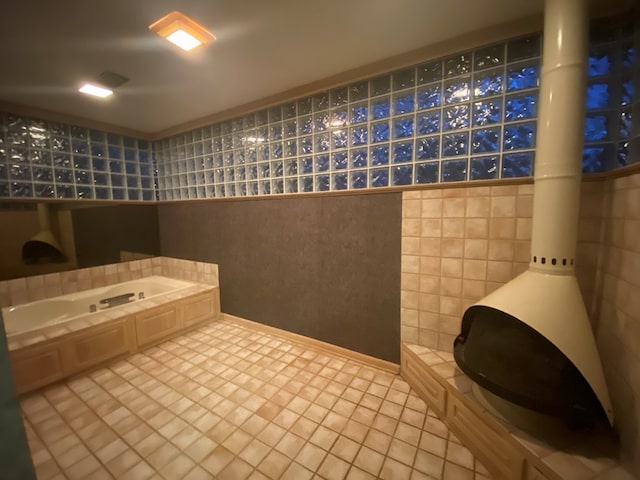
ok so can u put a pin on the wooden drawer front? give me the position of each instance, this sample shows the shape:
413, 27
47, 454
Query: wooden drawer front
496, 452
37, 366
197, 309
430, 390
100, 344
155, 325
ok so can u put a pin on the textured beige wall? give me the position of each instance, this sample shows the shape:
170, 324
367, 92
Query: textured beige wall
460, 243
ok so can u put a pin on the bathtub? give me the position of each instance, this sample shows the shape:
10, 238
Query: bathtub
30, 317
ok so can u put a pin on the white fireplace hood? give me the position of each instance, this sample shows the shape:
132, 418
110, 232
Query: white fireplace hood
547, 297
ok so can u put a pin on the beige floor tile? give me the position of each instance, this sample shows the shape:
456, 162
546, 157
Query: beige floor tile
333, 468
296, 472
274, 464
311, 456
345, 448
255, 452
177, 468
140, 471
393, 470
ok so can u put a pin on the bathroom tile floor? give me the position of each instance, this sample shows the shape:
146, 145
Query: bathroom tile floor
228, 402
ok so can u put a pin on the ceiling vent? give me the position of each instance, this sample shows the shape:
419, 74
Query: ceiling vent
111, 79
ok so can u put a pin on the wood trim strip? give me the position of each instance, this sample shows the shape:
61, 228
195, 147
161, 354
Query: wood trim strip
312, 342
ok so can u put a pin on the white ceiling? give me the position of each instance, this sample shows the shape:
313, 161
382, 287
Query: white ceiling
263, 47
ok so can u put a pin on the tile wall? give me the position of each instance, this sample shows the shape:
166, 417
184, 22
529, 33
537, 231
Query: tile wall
38, 287
42, 159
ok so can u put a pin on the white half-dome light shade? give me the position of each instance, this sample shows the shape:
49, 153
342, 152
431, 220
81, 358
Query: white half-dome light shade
95, 90
184, 40
182, 31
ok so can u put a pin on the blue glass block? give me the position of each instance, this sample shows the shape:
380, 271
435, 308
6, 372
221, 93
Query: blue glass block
404, 79
241, 173
82, 162
629, 57
219, 175
97, 136
305, 126
622, 154
79, 132
4, 172
379, 177
321, 142
340, 139
519, 136
119, 194
380, 155
339, 96
217, 144
359, 113
241, 190
307, 165
97, 150
5, 190
66, 176
291, 167
290, 129
402, 175
484, 168
263, 152
380, 85
306, 145
218, 160
427, 148
428, 123
380, 132
130, 155
67, 191
322, 183
253, 188
429, 72
489, 84
338, 118
625, 124
340, 181
359, 158
427, 172
403, 127
305, 105
227, 142
593, 159
457, 65
261, 119
456, 117
60, 144
114, 152
238, 157
87, 192
144, 182
144, 156
105, 194
45, 190
263, 168
456, 91
131, 193
130, 168
595, 128
403, 104
381, 108
521, 77
265, 188
517, 165
42, 174
277, 186
521, 107
228, 158
597, 96
359, 91
322, 163
402, 152
627, 93
485, 140
523, 48
359, 136
321, 101
340, 160
429, 97
359, 179
290, 148
275, 114
38, 157
454, 170
291, 185
455, 144
229, 174
116, 180
275, 131
307, 184
487, 112
321, 121
487, 57
599, 65
251, 155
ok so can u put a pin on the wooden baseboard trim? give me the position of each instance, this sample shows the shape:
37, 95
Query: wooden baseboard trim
312, 342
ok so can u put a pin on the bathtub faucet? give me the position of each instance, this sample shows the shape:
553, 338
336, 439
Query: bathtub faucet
117, 300
141, 295
93, 308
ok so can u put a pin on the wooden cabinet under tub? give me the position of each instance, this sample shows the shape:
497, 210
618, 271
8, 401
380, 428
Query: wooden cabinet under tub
38, 365
100, 344
199, 308
157, 324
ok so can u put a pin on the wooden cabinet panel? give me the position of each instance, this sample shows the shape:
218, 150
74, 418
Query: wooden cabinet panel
100, 344
496, 452
156, 324
420, 378
37, 366
197, 309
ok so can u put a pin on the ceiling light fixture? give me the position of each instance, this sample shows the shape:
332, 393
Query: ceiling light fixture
182, 31
95, 90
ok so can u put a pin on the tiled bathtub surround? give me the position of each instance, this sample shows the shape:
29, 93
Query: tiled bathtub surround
45, 159
38, 287
459, 244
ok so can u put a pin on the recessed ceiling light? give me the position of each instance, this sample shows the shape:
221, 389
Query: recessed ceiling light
95, 90
182, 31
